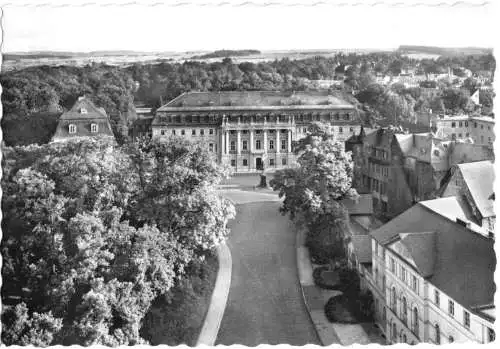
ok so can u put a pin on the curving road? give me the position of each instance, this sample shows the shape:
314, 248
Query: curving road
265, 304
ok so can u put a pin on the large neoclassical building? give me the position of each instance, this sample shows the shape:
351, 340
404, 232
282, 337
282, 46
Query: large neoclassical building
253, 130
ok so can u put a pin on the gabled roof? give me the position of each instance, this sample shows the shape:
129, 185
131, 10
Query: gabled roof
405, 142
84, 109
362, 248
82, 115
464, 260
479, 177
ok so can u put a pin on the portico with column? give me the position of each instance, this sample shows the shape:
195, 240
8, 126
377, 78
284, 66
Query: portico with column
249, 128
251, 148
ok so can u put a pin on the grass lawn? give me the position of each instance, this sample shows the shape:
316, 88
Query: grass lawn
180, 320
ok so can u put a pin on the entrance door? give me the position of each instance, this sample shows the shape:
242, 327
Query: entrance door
258, 164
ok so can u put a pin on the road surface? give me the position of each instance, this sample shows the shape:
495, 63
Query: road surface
265, 304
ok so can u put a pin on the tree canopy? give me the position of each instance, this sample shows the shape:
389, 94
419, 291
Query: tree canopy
313, 191
82, 263
322, 178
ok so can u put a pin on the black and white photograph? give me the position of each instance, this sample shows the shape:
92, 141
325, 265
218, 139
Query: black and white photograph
206, 172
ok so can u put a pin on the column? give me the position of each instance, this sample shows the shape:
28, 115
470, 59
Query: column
265, 140
278, 144
251, 163
222, 143
251, 141
227, 141
289, 141
238, 143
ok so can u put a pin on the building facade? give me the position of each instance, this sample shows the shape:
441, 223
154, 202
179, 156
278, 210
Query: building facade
253, 131
400, 169
422, 291
84, 119
478, 129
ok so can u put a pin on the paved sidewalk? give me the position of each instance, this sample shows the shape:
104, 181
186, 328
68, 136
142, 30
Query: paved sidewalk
315, 299
215, 312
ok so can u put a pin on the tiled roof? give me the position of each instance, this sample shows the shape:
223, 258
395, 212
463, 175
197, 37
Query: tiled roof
249, 99
82, 115
479, 177
92, 111
464, 260
452, 208
422, 247
362, 248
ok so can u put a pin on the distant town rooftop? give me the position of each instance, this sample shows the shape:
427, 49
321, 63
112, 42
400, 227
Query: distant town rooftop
255, 100
483, 118
465, 117
453, 117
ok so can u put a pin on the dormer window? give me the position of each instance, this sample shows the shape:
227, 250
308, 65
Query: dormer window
72, 128
94, 128
83, 111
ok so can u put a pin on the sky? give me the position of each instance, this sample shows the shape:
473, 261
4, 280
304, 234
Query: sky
192, 28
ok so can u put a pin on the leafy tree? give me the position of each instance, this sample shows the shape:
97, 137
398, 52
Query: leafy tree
323, 178
457, 100
395, 67
313, 191
486, 98
87, 263
177, 193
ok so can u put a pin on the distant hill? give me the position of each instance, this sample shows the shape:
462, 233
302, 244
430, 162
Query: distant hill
445, 51
227, 53
10, 56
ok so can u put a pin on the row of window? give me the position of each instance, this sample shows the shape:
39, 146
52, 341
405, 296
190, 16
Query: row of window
94, 128
403, 314
244, 162
376, 185
460, 124
437, 329
258, 132
258, 144
193, 132
379, 169
451, 308
280, 118
213, 131
437, 335
403, 275
454, 136
466, 124
379, 153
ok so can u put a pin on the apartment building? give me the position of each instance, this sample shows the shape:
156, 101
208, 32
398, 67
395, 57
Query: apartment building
476, 129
432, 276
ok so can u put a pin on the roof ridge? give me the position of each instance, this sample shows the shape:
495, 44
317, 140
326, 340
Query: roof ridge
454, 221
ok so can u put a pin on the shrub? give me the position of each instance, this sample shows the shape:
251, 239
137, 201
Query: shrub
323, 244
323, 278
349, 279
337, 310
